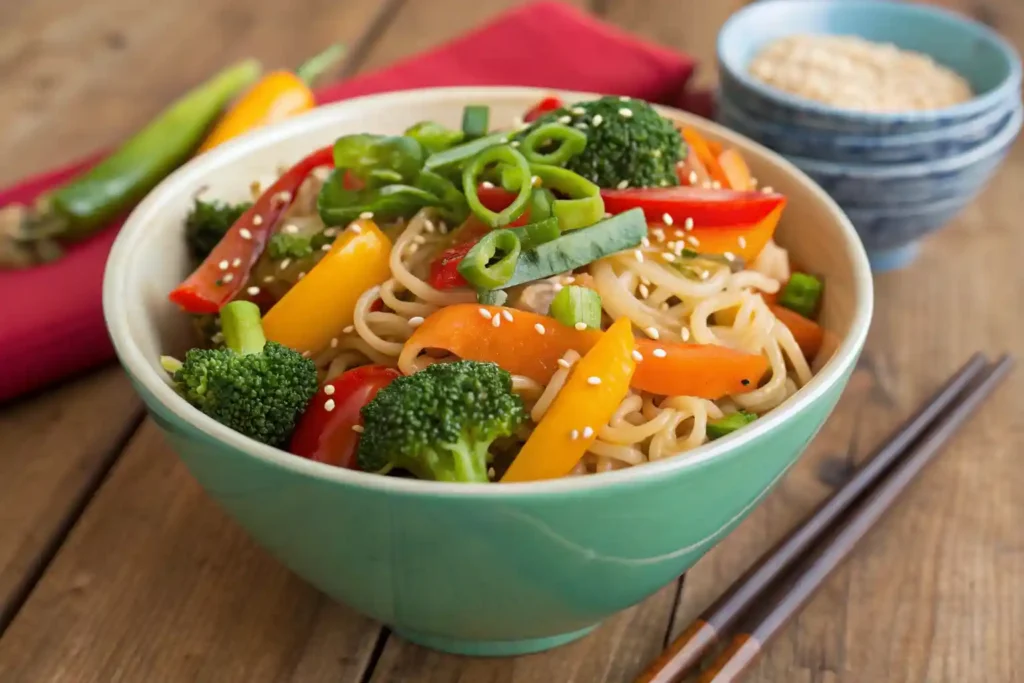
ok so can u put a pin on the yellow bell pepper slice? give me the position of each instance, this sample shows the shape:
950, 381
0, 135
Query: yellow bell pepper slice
322, 304
598, 384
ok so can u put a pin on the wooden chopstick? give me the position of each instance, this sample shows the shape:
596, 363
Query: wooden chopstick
744, 648
687, 650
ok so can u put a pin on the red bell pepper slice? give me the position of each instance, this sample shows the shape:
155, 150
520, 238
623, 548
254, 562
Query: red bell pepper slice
327, 435
543, 107
706, 207
209, 287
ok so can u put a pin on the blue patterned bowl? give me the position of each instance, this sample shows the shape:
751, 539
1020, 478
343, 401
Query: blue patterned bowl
901, 148
977, 53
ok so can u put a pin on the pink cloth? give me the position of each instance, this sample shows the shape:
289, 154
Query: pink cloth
51, 317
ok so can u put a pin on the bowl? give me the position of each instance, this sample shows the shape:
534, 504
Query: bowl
977, 53
472, 568
897, 148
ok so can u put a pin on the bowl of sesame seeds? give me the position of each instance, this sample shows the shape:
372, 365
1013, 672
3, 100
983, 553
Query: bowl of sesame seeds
896, 109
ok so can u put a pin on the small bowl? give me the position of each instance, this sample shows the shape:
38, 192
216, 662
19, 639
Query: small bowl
483, 569
977, 53
898, 148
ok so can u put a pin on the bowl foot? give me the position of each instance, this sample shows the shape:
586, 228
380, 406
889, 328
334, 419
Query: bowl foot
883, 260
491, 648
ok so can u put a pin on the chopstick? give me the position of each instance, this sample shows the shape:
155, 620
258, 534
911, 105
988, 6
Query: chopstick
687, 650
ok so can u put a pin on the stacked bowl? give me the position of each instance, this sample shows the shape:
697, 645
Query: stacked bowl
898, 176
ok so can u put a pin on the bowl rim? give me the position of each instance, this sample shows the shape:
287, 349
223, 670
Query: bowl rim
1002, 139
183, 181
964, 110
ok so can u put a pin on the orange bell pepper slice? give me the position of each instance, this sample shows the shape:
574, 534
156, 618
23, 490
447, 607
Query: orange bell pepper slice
702, 370
581, 408
701, 147
735, 168
745, 242
320, 305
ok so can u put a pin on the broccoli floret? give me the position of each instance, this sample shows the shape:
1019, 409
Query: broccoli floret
284, 245
208, 222
640, 148
439, 423
256, 387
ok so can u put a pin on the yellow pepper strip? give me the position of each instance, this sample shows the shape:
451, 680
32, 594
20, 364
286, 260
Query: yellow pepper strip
322, 304
598, 384
277, 96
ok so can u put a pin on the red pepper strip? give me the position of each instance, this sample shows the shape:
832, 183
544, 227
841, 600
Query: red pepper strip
326, 435
210, 287
543, 107
706, 207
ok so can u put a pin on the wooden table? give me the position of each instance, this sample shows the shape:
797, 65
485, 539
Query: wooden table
115, 567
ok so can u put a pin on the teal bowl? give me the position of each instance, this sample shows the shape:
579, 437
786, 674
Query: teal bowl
497, 569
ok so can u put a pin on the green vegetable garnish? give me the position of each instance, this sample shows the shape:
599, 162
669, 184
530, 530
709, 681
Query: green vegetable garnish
475, 118
256, 387
728, 424
451, 203
207, 223
434, 137
338, 206
573, 305
535, 234
540, 204
802, 294
504, 155
379, 160
450, 161
439, 423
552, 144
492, 297
492, 260
580, 247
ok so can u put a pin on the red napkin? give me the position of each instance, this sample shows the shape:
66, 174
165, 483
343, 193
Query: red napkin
51, 319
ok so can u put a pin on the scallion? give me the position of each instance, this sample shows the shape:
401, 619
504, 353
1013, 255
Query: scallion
573, 305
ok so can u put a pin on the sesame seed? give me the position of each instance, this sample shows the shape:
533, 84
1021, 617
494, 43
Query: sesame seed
659, 353
645, 281
496, 321
535, 181
688, 224
626, 113
663, 306
223, 265
329, 389
285, 263
331, 232
669, 256
578, 110
428, 227
742, 241
593, 380
416, 320
355, 229
644, 292
326, 247
366, 215
507, 315
729, 256
580, 326
490, 473
290, 229
563, 363
349, 329
582, 125
706, 185
596, 121
419, 239
659, 234
623, 98
705, 274
237, 262
413, 248
652, 332
334, 342
666, 219
514, 143
684, 334
268, 279
253, 291
245, 234
623, 184
540, 328
693, 240
574, 434
768, 189
656, 153
588, 432
228, 278
488, 184
358, 429
663, 183
565, 119
257, 220
329, 405
639, 255
568, 280
645, 242
300, 275
557, 287
715, 185
637, 356
693, 178
283, 197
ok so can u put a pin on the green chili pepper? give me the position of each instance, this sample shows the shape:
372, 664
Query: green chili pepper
492, 260
475, 118
540, 204
380, 160
535, 234
729, 424
111, 186
583, 204
501, 154
567, 142
451, 204
434, 137
802, 294
450, 161
573, 305
338, 206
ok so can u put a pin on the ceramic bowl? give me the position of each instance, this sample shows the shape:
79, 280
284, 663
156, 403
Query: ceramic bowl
977, 53
472, 568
